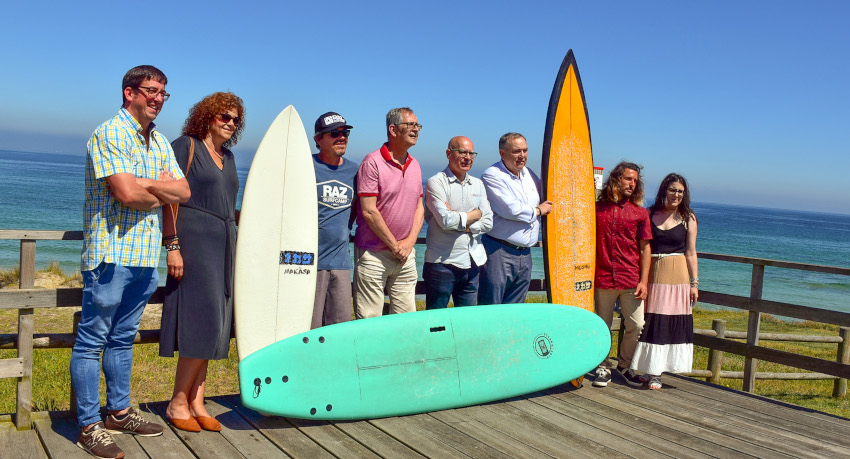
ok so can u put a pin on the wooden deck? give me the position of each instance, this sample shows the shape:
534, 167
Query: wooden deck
687, 418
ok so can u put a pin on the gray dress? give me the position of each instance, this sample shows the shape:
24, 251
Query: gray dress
197, 313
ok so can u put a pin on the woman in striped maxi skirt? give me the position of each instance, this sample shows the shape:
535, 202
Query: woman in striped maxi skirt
666, 343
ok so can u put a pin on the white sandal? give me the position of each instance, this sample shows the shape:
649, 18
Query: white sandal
655, 382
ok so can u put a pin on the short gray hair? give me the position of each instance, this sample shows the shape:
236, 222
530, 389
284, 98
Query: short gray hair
396, 116
503, 141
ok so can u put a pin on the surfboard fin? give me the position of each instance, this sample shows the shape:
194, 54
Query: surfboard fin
577, 382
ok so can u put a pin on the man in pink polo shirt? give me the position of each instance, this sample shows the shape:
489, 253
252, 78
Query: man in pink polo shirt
389, 186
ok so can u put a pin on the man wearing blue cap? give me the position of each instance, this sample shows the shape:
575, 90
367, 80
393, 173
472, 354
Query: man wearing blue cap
335, 185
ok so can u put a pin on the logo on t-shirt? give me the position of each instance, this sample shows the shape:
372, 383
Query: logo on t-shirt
335, 194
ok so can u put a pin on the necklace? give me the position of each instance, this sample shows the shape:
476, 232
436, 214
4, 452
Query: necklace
212, 149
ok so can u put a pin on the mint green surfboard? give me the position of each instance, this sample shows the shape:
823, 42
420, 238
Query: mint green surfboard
423, 361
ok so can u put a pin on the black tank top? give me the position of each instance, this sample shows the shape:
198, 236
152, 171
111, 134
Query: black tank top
673, 240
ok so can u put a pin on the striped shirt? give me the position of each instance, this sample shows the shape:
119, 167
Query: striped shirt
115, 233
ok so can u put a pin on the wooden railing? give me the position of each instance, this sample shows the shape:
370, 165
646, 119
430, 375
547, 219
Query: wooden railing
27, 298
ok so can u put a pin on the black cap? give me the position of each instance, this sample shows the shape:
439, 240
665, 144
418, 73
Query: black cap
330, 121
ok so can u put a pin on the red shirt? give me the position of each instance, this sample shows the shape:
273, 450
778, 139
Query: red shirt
619, 228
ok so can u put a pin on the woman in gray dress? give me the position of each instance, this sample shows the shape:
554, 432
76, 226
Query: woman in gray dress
200, 237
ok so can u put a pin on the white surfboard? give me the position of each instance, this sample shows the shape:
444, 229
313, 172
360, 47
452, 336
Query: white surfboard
275, 272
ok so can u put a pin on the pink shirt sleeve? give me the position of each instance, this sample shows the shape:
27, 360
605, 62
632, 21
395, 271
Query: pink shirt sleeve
367, 177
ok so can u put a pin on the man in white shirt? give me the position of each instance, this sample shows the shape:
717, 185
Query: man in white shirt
514, 195
457, 213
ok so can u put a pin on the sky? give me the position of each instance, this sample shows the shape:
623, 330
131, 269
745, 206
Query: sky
748, 100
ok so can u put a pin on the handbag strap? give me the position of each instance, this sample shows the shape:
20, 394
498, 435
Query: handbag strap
176, 207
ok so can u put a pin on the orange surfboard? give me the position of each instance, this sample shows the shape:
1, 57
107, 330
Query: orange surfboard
569, 239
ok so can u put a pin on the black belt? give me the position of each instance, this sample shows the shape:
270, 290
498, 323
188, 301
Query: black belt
507, 244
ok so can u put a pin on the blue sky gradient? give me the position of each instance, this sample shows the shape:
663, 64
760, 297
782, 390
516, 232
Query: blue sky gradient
748, 100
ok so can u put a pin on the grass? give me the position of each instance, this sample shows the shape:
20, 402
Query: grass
153, 375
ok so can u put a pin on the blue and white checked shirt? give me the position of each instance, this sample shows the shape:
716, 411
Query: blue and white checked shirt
113, 232
446, 242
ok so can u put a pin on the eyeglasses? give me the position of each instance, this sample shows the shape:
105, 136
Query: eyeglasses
334, 134
227, 117
471, 154
151, 92
675, 191
411, 125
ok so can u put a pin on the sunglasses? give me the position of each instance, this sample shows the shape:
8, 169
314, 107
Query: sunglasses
334, 134
675, 191
226, 118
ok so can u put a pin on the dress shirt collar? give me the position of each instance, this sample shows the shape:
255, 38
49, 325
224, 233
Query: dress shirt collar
451, 177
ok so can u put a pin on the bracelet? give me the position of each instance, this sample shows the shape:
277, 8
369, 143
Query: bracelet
167, 239
172, 246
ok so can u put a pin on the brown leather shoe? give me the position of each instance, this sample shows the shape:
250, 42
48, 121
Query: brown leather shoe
208, 423
189, 425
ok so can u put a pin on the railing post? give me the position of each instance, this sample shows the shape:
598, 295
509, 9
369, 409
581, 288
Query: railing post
715, 356
840, 386
23, 405
78, 316
753, 325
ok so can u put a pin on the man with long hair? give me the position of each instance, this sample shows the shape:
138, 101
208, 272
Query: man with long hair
623, 232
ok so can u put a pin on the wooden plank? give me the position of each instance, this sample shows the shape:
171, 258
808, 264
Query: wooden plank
53, 298
803, 362
165, 446
26, 278
23, 403
839, 389
332, 439
41, 235
19, 444
811, 437
776, 308
774, 263
459, 420
240, 433
59, 437
203, 443
636, 446
455, 438
829, 424
550, 439
618, 407
620, 428
11, 368
632, 424
375, 439
414, 438
753, 325
667, 404
129, 445
281, 432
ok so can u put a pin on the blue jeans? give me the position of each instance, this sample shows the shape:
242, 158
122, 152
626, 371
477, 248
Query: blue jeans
443, 281
114, 298
506, 276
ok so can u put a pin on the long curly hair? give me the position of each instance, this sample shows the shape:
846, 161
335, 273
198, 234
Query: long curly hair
204, 113
684, 208
611, 189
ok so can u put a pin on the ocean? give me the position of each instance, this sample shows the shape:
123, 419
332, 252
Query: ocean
40, 191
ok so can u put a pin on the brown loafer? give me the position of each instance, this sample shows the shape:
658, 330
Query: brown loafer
189, 425
208, 423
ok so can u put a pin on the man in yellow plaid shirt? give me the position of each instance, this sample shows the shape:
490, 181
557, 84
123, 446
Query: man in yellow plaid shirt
130, 173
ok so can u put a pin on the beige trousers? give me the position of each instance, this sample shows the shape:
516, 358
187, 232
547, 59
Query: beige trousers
632, 311
380, 271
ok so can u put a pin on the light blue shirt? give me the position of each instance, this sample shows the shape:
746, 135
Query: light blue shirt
513, 200
447, 240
